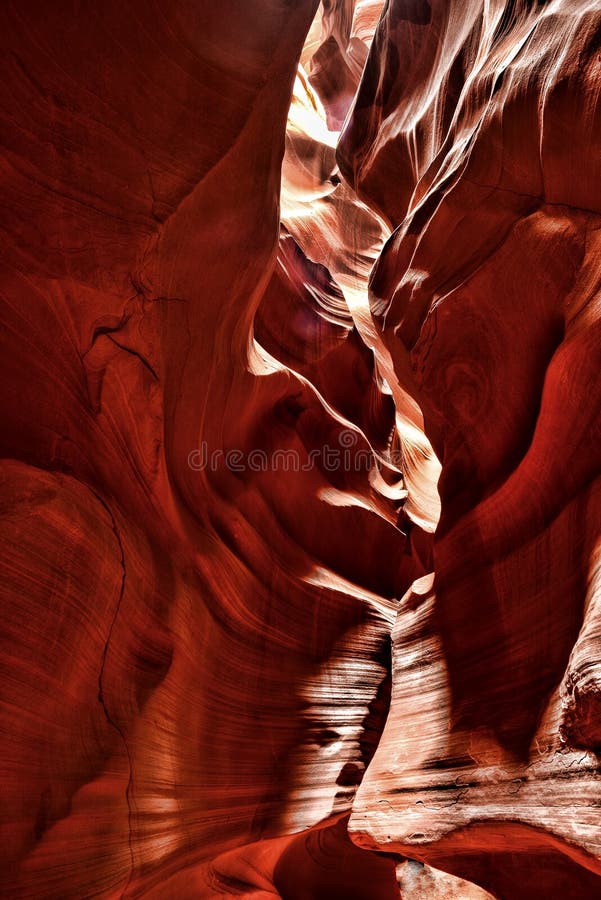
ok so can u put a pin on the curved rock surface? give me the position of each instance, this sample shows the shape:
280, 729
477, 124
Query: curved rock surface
487, 295
262, 380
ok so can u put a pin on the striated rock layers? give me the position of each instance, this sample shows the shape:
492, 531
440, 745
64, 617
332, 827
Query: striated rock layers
476, 132
221, 449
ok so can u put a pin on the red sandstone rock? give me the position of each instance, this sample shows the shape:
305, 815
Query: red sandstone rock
220, 464
170, 626
486, 295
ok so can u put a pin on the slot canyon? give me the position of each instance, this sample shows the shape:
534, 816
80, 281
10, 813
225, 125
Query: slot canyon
300, 499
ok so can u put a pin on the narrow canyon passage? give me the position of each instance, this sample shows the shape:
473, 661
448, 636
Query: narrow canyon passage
299, 487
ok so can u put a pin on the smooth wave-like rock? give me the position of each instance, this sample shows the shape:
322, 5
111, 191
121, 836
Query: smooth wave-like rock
487, 120
173, 616
299, 505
